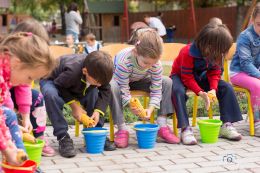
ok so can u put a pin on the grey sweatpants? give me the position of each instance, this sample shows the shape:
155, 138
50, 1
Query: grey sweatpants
166, 106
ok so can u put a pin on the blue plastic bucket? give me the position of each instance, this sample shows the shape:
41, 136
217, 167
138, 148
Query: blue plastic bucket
146, 135
95, 139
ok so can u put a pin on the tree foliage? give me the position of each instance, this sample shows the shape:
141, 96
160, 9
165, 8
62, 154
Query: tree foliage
41, 9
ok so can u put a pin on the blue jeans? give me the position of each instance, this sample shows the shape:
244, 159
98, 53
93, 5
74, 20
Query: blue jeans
54, 106
12, 124
74, 34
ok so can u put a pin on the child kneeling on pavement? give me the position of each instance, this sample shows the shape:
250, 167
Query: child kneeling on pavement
78, 79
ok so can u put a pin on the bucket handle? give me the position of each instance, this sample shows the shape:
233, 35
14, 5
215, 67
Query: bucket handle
148, 129
95, 131
16, 167
139, 129
209, 123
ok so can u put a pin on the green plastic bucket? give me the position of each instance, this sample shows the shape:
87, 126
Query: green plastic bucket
209, 130
34, 151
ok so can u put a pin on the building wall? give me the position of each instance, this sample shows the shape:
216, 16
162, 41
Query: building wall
12, 21
182, 19
111, 27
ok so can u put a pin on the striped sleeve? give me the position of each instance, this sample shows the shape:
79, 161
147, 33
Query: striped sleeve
121, 76
156, 85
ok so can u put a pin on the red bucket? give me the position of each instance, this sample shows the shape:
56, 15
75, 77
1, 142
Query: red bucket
29, 166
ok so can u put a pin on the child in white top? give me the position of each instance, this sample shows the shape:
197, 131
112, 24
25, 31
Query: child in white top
92, 43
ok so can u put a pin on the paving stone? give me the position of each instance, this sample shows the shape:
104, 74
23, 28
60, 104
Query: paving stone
155, 163
207, 169
242, 166
145, 170
180, 166
53, 171
81, 170
118, 166
164, 157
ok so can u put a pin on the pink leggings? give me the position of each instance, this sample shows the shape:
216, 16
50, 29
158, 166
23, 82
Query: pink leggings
253, 85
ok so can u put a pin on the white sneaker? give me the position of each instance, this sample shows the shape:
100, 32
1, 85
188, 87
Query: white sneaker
228, 131
257, 128
187, 136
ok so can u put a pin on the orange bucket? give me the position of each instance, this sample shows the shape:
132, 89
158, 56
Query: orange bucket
29, 166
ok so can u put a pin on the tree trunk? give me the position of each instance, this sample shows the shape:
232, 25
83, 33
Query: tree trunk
62, 13
241, 12
84, 19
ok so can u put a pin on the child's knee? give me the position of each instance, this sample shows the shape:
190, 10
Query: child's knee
114, 87
227, 86
50, 94
256, 87
37, 98
166, 82
178, 90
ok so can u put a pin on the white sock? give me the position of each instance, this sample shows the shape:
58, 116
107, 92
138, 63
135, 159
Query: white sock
122, 126
162, 121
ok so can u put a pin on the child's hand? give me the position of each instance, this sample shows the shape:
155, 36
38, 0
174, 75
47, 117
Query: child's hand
87, 121
26, 123
134, 110
95, 116
77, 110
212, 95
205, 97
137, 108
149, 112
11, 155
22, 130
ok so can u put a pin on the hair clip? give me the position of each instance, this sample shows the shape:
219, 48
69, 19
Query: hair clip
29, 34
138, 42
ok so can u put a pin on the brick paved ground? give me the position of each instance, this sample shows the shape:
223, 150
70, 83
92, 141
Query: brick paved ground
163, 158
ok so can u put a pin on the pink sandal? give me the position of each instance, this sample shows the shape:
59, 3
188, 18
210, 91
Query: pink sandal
121, 138
166, 134
47, 150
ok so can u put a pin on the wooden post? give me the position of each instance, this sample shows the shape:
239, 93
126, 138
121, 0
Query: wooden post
193, 17
248, 15
125, 24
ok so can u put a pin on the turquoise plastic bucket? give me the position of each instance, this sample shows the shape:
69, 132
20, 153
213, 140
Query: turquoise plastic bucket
146, 135
209, 130
95, 139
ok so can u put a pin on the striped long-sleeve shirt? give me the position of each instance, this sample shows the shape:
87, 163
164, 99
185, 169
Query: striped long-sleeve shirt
127, 70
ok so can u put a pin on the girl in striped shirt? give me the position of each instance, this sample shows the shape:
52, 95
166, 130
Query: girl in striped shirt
139, 68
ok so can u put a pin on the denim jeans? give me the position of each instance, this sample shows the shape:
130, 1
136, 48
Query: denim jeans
74, 34
54, 106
